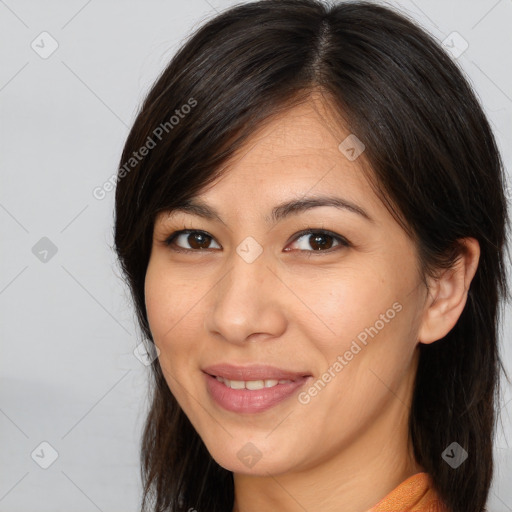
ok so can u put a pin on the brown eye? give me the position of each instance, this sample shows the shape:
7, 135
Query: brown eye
197, 240
314, 241
320, 241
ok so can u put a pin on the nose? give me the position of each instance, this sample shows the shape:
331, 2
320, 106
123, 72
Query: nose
247, 303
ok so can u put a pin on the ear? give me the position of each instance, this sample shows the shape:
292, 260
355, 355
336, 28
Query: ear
448, 293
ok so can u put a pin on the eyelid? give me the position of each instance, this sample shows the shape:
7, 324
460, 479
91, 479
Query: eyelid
170, 239
342, 241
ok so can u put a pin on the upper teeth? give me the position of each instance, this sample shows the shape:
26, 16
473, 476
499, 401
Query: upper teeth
252, 384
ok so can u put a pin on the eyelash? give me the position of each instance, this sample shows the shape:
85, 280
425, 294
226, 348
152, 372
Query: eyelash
343, 242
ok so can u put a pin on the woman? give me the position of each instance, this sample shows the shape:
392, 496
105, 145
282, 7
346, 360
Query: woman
310, 214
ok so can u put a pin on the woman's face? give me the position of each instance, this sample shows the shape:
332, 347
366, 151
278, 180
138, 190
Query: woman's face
336, 312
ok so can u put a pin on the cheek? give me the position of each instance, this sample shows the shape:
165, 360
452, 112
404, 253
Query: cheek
370, 339
347, 306
364, 364
174, 313
170, 316
164, 309
157, 301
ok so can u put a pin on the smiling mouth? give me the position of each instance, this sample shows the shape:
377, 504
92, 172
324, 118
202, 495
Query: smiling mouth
253, 373
261, 389
252, 385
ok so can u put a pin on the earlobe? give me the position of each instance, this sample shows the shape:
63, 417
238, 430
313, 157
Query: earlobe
448, 293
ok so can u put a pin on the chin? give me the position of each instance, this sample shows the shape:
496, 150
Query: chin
251, 458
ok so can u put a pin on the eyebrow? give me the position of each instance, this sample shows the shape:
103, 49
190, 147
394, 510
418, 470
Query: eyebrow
280, 212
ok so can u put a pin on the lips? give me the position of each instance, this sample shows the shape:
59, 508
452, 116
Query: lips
252, 389
253, 373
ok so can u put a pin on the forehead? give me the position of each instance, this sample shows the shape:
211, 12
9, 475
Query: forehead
307, 129
291, 163
295, 153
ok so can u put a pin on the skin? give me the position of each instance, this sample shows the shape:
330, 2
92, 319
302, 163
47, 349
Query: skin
348, 447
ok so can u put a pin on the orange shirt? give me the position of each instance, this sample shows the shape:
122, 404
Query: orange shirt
413, 495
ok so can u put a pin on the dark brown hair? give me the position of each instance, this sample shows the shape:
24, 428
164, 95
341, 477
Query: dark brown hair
434, 162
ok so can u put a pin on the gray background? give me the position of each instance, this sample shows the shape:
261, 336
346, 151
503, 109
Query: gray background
68, 373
